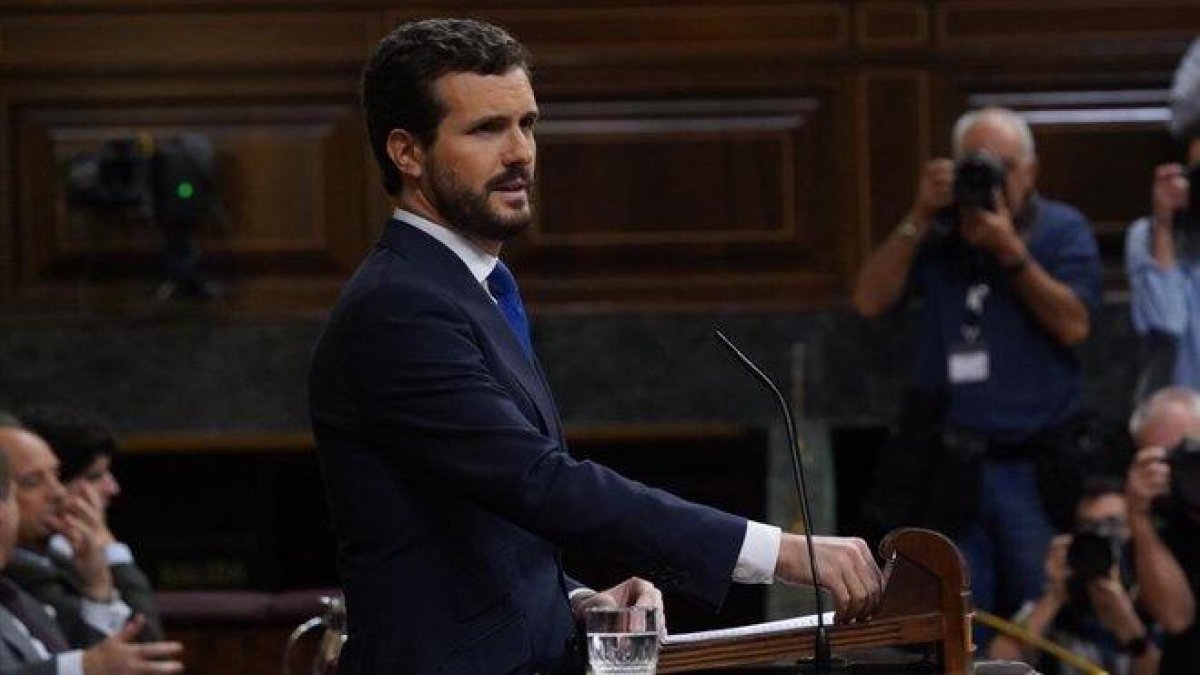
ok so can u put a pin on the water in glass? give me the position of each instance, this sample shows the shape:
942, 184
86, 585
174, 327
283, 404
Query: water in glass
623, 641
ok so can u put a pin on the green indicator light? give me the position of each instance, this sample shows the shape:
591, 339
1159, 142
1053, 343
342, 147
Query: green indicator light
185, 190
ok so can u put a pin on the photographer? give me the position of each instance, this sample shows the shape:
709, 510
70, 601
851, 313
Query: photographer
1087, 605
1162, 251
1164, 519
1008, 282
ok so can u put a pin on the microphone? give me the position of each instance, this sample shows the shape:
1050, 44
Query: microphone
822, 659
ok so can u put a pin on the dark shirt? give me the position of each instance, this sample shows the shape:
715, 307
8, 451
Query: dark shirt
1034, 383
1181, 653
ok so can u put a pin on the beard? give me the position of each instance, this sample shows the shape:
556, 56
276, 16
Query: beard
468, 210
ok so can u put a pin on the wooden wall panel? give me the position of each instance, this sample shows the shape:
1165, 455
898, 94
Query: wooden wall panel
708, 154
894, 143
652, 191
973, 23
883, 25
566, 34
108, 42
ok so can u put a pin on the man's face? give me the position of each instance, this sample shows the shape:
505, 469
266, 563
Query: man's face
478, 173
1004, 143
40, 497
10, 521
99, 475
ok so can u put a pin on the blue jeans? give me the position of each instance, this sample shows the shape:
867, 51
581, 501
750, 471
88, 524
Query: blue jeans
1006, 546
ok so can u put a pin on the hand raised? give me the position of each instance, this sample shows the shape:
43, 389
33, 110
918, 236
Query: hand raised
1169, 193
89, 535
935, 191
1055, 566
1114, 608
1149, 477
993, 231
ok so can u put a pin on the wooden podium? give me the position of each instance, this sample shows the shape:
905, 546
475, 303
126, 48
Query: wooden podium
926, 601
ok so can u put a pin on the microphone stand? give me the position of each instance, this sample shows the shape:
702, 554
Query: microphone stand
822, 657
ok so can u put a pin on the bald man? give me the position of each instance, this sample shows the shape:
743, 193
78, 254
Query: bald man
1007, 289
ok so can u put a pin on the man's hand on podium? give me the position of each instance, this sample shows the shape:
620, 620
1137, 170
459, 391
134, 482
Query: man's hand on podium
847, 568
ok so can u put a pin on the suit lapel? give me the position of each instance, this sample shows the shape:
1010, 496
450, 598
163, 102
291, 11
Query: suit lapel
441, 263
20, 643
527, 372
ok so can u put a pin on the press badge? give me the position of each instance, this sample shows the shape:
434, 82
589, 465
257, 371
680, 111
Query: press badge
968, 363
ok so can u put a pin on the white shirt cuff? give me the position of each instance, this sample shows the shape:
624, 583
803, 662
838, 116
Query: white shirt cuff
578, 592
760, 551
117, 553
69, 663
106, 617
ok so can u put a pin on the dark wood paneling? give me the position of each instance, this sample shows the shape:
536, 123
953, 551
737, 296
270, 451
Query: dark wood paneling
650, 193
882, 25
571, 34
976, 22
104, 42
895, 141
711, 154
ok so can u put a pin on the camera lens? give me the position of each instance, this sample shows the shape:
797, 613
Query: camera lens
976, 177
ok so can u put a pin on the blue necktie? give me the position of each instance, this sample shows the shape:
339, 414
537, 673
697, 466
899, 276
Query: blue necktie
503, 286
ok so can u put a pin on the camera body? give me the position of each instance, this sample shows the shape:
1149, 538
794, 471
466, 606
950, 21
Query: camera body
1184, 460
976, 177
1095, 549
169, 181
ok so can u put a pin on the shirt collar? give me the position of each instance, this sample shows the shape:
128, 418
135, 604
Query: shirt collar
479, 262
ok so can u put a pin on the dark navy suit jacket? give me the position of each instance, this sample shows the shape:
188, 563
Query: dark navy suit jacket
450, 486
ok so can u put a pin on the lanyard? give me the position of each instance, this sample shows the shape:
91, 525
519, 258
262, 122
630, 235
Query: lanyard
977, 294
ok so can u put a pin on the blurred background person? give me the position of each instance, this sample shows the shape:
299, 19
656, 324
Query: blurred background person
85, 447
1008, 282
1089, 602
31, 643
1163, 491
1162, 251
86, 602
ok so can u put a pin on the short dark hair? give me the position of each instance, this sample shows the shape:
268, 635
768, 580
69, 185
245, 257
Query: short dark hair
1100, 485
397, 82
77, 437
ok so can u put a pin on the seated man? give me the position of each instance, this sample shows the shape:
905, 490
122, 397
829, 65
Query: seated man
1086, 608
85, 448
32, 644
86, 604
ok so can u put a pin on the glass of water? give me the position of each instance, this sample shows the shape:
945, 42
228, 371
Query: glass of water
622, 641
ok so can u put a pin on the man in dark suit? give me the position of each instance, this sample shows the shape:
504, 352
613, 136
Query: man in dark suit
84, 446
440, 445
82, 592
31, 643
